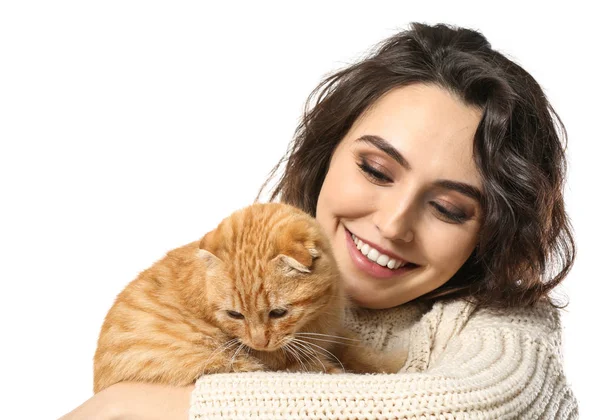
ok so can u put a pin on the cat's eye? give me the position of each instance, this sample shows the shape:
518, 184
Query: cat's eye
235, 315
278, 313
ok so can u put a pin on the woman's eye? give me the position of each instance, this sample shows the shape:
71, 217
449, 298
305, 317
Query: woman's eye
278, 313
372, 173
235, 315
451, 216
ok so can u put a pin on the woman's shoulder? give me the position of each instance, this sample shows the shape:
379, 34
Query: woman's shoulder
452, 317
463, 324
540, 319
425, 330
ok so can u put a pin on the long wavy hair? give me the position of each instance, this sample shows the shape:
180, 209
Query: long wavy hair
525, 246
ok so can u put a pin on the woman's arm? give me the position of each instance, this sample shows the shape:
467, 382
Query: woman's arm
135, 401
485, 373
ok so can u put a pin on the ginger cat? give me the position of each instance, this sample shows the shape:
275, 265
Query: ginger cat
260, 292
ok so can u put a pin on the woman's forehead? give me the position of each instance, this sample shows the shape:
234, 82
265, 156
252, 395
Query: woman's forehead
431, 128
424, 112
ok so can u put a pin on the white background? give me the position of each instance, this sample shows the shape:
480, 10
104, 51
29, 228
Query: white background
130, 128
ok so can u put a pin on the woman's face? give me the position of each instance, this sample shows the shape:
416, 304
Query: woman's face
402, 188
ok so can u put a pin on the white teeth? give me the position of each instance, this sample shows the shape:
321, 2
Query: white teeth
365, 249
373, 255
383, 260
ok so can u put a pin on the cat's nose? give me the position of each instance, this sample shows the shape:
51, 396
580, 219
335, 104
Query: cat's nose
259, 339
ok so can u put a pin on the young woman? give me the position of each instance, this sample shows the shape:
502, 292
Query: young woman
436, 167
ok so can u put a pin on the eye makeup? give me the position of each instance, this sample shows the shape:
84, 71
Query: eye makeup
378, 175
372, 172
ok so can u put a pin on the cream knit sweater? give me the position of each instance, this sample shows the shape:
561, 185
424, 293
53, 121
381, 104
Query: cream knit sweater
462, 364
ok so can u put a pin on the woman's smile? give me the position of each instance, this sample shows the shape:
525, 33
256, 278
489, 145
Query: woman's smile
375, 261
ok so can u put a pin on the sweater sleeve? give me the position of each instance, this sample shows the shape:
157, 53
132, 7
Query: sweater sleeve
490, 370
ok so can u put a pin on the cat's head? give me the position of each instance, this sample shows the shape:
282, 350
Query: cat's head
270, 273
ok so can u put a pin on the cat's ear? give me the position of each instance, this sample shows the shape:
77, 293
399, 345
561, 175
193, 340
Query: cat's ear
299, 239
314, 252
297, 257
209, 259
289, 266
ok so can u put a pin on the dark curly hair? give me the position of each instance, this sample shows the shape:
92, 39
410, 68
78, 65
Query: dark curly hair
525, 245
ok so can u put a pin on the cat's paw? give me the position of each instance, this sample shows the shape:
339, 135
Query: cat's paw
335, 370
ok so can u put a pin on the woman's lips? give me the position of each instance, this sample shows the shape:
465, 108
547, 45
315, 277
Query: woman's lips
381, 250
370, 267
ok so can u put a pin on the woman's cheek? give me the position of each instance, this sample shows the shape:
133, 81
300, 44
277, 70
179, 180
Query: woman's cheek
346, 190
448, 250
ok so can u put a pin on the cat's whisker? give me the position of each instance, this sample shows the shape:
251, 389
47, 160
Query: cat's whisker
240, 347
223, 347
324, 349
308, 357
326, 335
294, 355
311, 352
334, 341
302, 358
285, 352
314, 354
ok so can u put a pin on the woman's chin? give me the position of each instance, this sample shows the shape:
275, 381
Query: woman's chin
368, 298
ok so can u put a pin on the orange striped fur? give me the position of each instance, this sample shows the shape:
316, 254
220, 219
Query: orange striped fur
170, 325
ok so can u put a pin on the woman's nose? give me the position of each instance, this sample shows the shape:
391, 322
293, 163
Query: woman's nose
395, 222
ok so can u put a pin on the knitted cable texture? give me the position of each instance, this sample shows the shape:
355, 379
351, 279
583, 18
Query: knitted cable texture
462, 364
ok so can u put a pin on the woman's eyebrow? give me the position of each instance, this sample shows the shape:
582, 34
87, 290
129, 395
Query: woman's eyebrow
386, 147
462, 188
